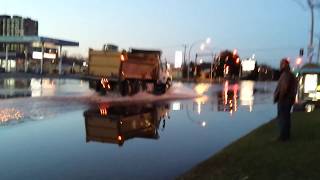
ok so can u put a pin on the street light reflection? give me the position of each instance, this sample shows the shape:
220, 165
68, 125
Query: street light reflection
176, 106
9, 114
229, 98
247, 94
201, 101
200, 90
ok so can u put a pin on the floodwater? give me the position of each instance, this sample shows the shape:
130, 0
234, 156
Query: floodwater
60, 129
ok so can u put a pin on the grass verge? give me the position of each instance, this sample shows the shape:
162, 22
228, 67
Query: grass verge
259, 156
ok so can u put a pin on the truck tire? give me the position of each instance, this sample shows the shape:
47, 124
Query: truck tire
143, 86
135, 87
125, 88
159, 89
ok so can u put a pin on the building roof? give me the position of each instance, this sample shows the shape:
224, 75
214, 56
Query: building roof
32, 39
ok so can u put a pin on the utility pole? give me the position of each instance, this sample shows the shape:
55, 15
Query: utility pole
184, 53
313, 4
184, 59
310, 47
211, 66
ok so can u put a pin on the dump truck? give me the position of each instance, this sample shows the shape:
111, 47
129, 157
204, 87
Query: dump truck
129, 71
116, 124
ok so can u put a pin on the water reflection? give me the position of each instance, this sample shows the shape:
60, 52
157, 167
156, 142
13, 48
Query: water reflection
10, 114
189, 136
12, 88
43, 87
247, 94
229, 97
200, 89
117, 124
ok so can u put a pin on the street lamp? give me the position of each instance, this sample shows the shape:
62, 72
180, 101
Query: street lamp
207, 41
318, 57
202, 46
298, 61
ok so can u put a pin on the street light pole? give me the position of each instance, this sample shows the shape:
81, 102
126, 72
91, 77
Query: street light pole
184, 59
319, 50
312, 5
310, 48
211, 66
184, 52
189, 60
208, 40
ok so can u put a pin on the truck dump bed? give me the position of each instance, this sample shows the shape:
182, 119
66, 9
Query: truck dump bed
142, 65
104, 63
135, 64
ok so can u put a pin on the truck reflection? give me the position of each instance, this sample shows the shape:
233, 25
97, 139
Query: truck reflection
116, 124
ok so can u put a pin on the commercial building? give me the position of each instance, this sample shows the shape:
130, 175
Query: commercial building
17, 26
22, 50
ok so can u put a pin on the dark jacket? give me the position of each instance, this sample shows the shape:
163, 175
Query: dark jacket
287, 88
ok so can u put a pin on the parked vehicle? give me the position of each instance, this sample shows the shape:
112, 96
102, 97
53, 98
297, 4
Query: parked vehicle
308, 93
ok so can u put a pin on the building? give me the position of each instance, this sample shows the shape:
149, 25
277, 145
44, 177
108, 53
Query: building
22, 50
17, 26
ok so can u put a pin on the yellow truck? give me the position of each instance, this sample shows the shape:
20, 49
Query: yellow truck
129, 71
117, 124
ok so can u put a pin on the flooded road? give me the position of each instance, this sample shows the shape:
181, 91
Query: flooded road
61, 129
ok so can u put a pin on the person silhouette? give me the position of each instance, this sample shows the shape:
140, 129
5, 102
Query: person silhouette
284, 95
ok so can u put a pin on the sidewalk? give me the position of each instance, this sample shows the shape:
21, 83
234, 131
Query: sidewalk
259, 156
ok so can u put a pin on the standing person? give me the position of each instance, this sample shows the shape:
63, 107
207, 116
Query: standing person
284, 95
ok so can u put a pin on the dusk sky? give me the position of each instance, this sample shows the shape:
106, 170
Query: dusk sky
271, 29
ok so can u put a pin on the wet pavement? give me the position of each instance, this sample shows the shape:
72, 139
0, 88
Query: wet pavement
53, 129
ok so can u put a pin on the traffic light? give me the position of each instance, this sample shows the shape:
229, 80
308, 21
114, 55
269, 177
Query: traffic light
301, 52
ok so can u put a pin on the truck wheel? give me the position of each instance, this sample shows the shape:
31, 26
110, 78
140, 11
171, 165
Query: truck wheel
125, 88
135, 87
144, 86
138, 86
159, 88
